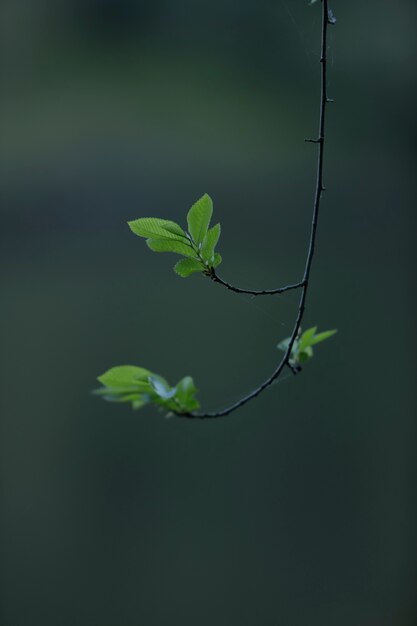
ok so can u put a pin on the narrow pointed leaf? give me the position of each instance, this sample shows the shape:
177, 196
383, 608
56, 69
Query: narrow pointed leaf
161, 388
185, 395
210, 242
322, 336
171, 245
174, 228
143, 398
138, 404
283, 345
306, 337
131, 397
153, 227
199, 217
186, 267
124, 376
304, 355
139, 387
217, 259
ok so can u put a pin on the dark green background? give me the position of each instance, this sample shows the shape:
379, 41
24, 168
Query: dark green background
299, 509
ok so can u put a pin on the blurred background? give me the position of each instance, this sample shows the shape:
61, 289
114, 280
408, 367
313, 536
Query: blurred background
298, 509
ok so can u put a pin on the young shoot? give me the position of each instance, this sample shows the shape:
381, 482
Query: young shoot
302, 347
196, 245
139, 386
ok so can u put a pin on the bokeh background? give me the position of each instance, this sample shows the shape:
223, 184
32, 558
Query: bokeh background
298, 509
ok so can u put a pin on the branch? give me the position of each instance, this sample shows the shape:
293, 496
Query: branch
263, 292
327, 18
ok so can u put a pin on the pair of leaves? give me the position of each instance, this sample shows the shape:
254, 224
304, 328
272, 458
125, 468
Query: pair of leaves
139, 386
302, 348
197, 245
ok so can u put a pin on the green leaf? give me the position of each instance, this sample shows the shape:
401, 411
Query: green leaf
199, 217
186, 391
171, 245
306, 338
186, 267
138, 404
132, 397
304, 355
323, 336
217, 259
283, 345
161, 387
141, 391
175, 229
155, 228
209, 243
139, 387
124, 376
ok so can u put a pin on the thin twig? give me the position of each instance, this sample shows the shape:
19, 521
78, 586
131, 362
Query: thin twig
263, 292
296, 369
304, 284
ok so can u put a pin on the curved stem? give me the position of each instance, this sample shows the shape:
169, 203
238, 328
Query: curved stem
304, 284
263, 292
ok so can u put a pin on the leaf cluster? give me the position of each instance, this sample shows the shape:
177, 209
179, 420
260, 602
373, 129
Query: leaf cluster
302, 348
196, 245
139, 386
